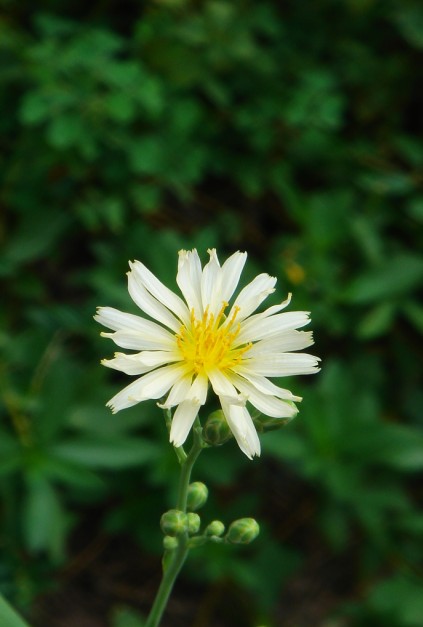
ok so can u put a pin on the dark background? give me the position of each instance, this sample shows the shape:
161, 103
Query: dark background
292, 130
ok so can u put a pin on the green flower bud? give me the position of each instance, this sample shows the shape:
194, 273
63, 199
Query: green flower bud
169, 543
174, 522
197, 495
243, 531
194, 523
215, 528
216, 430
266, 423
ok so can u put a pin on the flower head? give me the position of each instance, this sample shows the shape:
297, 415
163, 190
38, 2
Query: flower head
202, 339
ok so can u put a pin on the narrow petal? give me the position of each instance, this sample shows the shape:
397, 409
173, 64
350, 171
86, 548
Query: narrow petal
154, 384
189, 280
261, 327
284, 343
211, 295
264, 385
115, 320
150, 305
157, 289
182, 421
129, 364
268, 405
221, 384
285, 365
198, 391
253, 295
178, 392
159, 339
231, 273
242, 426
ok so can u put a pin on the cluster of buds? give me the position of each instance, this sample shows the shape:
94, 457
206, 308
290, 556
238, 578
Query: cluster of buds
175, 523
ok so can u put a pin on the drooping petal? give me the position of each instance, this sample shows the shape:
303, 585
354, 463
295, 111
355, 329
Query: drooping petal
160, 292
221, 384
182, 421
154, 384
178, 392
266, 404
242, 426
189, 280
264, 385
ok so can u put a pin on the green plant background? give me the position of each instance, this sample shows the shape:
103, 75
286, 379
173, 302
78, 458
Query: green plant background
292, 130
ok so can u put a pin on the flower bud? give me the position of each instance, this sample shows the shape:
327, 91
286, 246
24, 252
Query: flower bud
169, 543
266, 423
174, 522
215, 528
243, 531
216, 430
194, 523
197, 495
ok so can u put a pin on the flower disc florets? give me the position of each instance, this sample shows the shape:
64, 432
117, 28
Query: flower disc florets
202, 340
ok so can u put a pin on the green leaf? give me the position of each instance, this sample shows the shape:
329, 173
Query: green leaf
114, 454
44, 522
126, 617
9, 617
397, 276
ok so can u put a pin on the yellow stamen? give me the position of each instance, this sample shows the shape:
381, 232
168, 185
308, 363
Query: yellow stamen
208, 343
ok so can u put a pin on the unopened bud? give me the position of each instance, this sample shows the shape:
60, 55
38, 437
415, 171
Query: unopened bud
197, 495
243, 531
215, 528
174, 522
216, 430
194, 523
266, 423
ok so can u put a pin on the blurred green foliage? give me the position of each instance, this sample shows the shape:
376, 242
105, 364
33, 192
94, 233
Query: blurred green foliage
291, 130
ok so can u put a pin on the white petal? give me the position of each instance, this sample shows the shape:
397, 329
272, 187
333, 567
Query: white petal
211, 284
282, 343
182, 421
150, 305
157, 289
129, 364
178, 393
115, 320
242, 426
189, 280
198, 391
264, 385
152, 385
221, 384
230, 273
253, 295
285, 365
266, 404
158, 339
259, 327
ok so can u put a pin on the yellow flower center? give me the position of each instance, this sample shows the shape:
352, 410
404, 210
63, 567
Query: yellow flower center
208, 343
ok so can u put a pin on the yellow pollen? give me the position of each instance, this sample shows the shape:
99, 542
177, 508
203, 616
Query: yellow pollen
208, 343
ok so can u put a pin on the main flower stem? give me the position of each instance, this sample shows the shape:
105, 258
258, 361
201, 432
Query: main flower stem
174, 559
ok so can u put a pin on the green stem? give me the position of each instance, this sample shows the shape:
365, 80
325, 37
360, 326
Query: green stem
174, 561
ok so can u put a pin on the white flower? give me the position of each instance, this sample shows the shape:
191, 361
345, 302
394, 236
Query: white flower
202, 340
